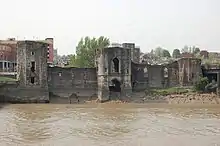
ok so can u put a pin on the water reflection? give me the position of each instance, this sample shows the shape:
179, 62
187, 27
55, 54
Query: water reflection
109, 125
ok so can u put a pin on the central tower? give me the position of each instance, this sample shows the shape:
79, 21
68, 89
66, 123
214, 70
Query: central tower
114, 72
32, 71
32, 64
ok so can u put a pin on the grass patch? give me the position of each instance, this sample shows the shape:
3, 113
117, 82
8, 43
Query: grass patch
168, 91
6, 79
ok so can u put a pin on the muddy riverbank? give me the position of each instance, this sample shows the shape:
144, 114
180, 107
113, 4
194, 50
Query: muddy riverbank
141, 97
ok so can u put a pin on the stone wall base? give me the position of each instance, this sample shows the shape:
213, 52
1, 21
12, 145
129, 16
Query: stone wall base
67, 92
24, 95
103, 95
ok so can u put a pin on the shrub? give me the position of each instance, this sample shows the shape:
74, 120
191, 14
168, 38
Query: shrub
201, 84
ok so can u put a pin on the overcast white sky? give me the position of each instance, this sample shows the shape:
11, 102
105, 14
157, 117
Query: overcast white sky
148, 23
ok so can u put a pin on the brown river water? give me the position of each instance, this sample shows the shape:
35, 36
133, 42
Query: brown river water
109, 125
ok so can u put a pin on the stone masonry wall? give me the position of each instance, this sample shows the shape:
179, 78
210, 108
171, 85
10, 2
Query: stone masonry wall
124, 74
28, 52
189, 70
31, 63
124, 56
153, 76
139, 77
10, 92
135, 51
173, 74
66, 81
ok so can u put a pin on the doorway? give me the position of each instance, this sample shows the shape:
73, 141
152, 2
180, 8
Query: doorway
115, 85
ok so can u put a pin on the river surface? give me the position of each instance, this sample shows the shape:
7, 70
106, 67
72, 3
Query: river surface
109, 125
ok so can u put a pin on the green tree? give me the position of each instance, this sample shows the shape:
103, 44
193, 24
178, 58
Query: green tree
166, 53
190, 49
72, 60
201, 84
86, 51
196, 50
176, 53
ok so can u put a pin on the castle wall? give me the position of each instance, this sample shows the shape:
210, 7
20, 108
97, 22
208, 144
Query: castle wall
154, 76
139, 77
189, 70
173, 74
28, 52
31, 63
14, 94
135, 55
114, 65
147, 76
66, 81
135, 51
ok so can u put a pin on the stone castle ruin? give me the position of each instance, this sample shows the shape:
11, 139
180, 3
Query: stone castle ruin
118, 73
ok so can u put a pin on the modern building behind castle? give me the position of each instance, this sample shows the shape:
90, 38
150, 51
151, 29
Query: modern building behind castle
8, 55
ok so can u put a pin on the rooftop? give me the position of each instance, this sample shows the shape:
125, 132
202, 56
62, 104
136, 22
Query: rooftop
12, 41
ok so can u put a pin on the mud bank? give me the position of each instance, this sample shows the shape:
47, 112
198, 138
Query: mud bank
193, 99
188, 98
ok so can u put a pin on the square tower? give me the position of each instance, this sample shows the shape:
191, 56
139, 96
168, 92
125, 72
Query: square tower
135, 51
114, 72
32, 64
189, 70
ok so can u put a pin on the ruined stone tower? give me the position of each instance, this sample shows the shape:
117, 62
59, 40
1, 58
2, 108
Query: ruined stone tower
32, 64
135, 51
114, 72
32, 69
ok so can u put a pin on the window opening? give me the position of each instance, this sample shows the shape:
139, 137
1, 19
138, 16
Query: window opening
116, 64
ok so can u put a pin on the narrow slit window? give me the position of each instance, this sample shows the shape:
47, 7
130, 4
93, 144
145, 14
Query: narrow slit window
32, 72
165, 72
33, 66
145, 72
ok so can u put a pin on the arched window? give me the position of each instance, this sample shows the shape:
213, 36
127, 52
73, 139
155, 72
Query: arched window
165, 72
115, 65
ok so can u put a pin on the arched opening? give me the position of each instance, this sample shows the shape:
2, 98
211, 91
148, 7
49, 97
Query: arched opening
115, 64
115, 85
165, 72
